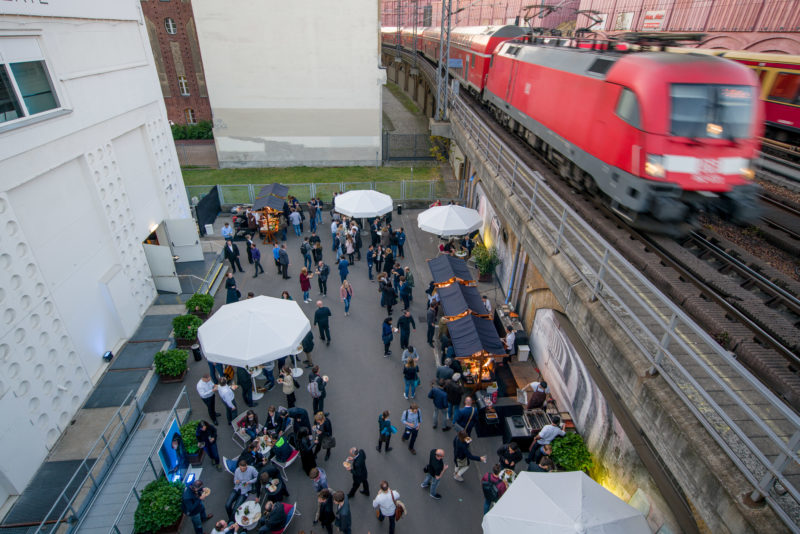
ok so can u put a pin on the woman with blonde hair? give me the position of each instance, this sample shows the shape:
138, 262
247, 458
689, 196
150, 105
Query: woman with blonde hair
346, 292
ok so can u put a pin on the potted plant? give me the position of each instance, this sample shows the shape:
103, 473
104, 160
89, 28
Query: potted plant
194, 454
200, 304
171, 365
570, 453
159, 508
185, 327
485, 260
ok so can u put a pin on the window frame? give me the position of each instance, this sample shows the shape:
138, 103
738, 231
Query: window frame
174, 25
190, 116
183, 86
637, 123
782, 100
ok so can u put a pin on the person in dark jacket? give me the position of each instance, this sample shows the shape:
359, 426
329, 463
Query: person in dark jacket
326, 513
358, 468
273, 518
467, 417
440, 403
463, 455
246, 385
192, 505
405, 324
323, 271
233, 293
306, 446
299, 417
255, 257
318, 403
430, 320
323, 430
510, 455
454, 394
384, 431
283, 258
389, 296
231, 253
344, 520
308, 346
387, 335
206, 435
321, 316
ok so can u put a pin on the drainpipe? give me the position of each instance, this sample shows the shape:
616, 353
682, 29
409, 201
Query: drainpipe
513, 271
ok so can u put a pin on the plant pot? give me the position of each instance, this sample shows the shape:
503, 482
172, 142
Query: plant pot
183, 343
484, 277
195, 459
172, 379
172, 529
202, 315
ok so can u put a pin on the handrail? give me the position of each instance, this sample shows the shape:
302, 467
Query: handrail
681, 352
108, 444
149, 462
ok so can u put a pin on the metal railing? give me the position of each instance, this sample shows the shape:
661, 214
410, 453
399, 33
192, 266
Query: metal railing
149, 465
95, 465
756, 429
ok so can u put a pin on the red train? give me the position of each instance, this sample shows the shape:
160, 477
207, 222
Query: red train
662, 135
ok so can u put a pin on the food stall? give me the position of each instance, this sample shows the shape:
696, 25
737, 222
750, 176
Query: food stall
448, 270
269, 205
459, 300
476, 345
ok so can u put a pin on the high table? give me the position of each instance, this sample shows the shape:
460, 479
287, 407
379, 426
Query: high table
252, 517
254, 371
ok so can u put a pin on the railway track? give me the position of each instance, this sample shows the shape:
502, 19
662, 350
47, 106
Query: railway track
781, 224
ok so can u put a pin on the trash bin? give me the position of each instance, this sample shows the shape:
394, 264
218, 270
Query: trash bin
198, 356
209, 229
523, 351
399, 209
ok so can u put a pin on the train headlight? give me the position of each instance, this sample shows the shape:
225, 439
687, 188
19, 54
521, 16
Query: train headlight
747, 172
654, 166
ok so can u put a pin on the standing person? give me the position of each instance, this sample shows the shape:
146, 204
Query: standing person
357, 240
227, 231
305, 250
377, 256
370, 261
493, 488
232, 292
289, 386
206, 435
384, 431
387, 335
326, 514
389, 296
321, 319
405, 324
312, 215
334, 227
296, 219
319, 210
283, 257
206, 389
350, 249
439, 397
393, 243
341, 505
249, 246
487, 304
324, 434
342, 266
386, 502
412, 419
226, 394
358, 469
388, 260
401, 241
305, 284
192, 505
276, 255
245, 382
411, 353
255, 256
323, 271
454, 393
305, 444
409, 281
467, 417
430, 319
346, 292
434, 471
269, 374
410, 377
317, 390
231, 252
463, 455
546, 435
316, 252
308, 346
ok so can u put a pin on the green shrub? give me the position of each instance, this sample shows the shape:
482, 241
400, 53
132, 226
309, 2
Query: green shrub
201, 130
485, 259
171, 362
571, 454
203, 301
159, 506
186, 326
189, 435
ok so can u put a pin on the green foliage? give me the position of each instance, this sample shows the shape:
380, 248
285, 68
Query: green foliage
159, 506
571, 454
440, 148
189, 436
171, 362
202, 300
201, 130
485, 259
186, 326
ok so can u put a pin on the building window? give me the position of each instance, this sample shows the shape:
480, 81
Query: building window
170, 25
184, 85
25, 90
190, 119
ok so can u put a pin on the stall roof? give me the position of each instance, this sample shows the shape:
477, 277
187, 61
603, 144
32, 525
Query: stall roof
271, 196
459, 299
471, 335
445, 268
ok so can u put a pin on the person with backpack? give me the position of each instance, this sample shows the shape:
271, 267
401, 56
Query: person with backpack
384, 431
305, 250
411, 419
316, 388
493, 487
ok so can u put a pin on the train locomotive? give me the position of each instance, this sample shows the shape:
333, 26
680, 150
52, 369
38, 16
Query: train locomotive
663, 136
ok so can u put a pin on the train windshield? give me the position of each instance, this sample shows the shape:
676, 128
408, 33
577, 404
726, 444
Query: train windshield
711, 111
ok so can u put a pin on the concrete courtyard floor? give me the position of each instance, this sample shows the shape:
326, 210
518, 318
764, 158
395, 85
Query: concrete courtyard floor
362, 384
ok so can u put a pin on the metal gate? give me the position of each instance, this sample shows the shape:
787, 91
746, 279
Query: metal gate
406, 147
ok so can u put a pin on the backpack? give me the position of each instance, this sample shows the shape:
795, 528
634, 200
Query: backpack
304, 248
313, 389
490, 492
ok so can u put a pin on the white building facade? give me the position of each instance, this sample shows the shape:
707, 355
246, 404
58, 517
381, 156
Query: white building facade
293, 83
87, 170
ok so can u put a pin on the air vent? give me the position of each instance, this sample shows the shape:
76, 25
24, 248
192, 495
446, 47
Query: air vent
600, 66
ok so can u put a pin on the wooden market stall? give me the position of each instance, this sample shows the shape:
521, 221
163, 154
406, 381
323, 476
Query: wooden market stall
270, 204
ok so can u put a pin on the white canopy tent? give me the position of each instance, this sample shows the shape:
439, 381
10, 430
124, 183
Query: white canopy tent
253, 331
449, 220
561, 503
363, 203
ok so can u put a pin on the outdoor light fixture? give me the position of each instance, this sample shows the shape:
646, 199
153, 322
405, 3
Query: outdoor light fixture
108, 356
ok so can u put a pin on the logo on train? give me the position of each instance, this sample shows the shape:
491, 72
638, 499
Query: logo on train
708, 172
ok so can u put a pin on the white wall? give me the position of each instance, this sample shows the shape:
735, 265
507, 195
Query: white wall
79, 190
293, 83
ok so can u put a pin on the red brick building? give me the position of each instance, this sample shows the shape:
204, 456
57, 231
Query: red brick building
173, 38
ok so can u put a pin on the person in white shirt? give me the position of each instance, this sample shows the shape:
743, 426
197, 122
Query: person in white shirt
487, 304
206, 389
511, 336
385, 501
546, 435
226, 394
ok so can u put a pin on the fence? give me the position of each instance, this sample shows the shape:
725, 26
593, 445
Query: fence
407, 147
398, 190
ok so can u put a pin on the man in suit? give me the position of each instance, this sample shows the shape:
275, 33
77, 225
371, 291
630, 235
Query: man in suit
321, 319
231, 252
283, 258
249, 240
358, 468
341, 506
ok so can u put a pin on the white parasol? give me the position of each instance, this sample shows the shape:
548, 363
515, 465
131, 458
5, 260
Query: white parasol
449, 220
363, 203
